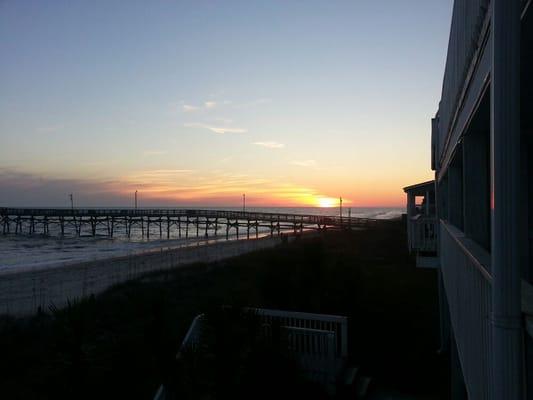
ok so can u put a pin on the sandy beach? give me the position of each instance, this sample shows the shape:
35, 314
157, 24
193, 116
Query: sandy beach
24, 291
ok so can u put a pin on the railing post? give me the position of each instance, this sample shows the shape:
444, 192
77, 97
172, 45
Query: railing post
344, 338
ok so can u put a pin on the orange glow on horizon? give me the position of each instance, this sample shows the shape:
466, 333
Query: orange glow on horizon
219, 193
182, 188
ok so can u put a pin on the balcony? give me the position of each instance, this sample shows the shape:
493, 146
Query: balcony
422, 225
423, 235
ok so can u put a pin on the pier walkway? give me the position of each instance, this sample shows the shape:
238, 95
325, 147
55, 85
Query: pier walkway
104, 222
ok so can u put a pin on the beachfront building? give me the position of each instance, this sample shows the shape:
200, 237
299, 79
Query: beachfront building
482, 155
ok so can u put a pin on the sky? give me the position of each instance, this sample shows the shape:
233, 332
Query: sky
295, 103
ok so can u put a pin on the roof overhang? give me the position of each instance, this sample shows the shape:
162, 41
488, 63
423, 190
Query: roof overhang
420, 188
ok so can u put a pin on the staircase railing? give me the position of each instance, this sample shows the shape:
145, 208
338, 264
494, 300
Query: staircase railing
318, 342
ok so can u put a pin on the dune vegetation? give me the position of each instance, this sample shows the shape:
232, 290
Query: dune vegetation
123, 343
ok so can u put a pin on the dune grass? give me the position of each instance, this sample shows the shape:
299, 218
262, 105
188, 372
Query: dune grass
122, 344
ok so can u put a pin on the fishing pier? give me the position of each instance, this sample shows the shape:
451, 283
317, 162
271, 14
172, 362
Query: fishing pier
164, 222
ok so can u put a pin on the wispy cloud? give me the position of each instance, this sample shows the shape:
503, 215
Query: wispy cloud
253, 103
153, 175
153, 153
270, 145
169, 187
304, 163
29, 189
224, 120
189, 108
211, 104
215, 129
207, 105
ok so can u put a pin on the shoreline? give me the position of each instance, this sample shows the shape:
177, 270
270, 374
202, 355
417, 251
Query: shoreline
38, 251
156, 246
28, 291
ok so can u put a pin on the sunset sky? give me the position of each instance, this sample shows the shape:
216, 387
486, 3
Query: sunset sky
195, 102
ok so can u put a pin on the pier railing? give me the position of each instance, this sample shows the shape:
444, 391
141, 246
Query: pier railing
103, 221
152, 212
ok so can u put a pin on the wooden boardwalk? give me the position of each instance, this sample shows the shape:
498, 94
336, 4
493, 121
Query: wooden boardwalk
104, 222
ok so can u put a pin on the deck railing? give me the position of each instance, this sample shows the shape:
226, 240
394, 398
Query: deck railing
192, 339
423, 233
316, 353
467, 280
318, 342
464, 41
338, 325
333, 325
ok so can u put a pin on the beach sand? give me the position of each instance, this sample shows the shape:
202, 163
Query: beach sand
25, 291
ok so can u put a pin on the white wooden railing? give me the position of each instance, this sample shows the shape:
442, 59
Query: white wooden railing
320, 322
318, 342
466, 274
463, 46
190, 341
423, 233
315, 352
193, 336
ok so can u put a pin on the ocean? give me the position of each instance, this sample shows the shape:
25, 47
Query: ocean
38, 251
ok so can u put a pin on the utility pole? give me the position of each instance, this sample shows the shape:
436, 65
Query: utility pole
243, 202
340, 206
71, 201
135, 199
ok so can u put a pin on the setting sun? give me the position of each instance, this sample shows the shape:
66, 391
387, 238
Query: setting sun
327, 202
